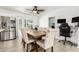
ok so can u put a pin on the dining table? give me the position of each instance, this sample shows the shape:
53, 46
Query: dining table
37, 35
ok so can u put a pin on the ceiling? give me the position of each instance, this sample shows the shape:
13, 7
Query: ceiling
22, 9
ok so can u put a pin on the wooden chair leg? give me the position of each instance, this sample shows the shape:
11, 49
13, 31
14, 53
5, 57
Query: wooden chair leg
52, 48
37, 48
23, 44
27, 48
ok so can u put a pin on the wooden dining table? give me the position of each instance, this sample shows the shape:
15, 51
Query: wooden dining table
37, 35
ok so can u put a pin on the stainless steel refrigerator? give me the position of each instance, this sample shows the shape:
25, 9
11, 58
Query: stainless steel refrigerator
10, 28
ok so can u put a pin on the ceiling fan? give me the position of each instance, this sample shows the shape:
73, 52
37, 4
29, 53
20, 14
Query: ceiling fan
35, 10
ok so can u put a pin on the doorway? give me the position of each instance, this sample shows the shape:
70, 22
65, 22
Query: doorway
52, 22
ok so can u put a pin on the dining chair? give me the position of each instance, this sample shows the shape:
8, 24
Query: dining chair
26, 40
47, 41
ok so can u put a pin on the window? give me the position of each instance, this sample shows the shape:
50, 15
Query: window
29, 23
25, 23
20, 23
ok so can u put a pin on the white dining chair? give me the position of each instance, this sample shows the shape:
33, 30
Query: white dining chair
26, 40
47, 41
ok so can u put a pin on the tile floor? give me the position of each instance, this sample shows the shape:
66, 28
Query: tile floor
16, 46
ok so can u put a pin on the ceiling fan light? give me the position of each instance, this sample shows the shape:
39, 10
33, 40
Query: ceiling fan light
35, 12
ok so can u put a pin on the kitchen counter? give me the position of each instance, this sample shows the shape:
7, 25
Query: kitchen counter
2, 30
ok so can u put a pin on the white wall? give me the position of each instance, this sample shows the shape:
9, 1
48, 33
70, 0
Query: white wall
66, 12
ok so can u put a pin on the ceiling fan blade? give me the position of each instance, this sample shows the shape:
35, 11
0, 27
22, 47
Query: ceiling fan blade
29, 9
40, 10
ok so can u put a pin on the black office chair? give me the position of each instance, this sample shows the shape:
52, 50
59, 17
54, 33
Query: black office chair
64, 30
